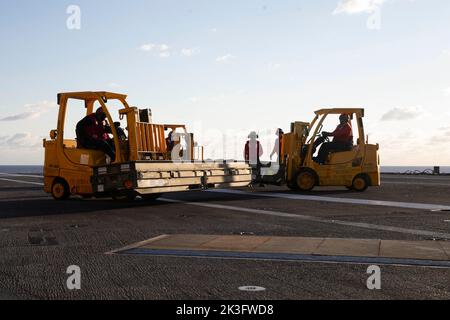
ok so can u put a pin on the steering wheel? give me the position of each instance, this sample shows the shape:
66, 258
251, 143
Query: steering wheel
325, 137
321, 135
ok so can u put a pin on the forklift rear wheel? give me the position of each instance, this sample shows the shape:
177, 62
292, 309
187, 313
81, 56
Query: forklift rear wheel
360, 183
306, 180
60, 189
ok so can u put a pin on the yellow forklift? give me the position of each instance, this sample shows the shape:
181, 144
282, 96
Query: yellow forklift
357, 169
152, 159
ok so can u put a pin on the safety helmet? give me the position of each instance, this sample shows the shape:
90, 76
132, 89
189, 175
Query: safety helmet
100, 114
253, 134
344, 116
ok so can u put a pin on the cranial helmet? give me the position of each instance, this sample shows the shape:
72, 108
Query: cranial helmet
100, 114
253, 134
344, 116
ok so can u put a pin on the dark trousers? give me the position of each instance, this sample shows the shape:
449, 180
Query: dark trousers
330, 147
107, 146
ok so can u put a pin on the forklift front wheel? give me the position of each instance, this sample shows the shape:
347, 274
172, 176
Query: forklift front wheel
306, 180
60, 189
360, 183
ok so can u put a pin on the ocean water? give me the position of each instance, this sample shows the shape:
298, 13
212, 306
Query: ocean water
22, 169
400, 169
384, 169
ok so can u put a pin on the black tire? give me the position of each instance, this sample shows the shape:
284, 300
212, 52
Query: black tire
360, 183
306, 180
60, 189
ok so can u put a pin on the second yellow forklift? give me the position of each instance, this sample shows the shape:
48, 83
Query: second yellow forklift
356, 169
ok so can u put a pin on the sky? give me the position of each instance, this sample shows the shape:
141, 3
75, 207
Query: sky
226, 68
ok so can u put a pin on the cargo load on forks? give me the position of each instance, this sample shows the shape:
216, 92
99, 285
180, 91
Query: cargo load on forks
151, 159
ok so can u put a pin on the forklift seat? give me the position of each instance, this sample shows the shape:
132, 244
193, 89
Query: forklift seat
343, 156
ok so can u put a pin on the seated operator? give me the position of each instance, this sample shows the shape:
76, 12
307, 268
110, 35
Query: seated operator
92, 133
343, 140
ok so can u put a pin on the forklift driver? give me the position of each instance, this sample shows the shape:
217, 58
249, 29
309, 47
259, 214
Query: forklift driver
92, 133
342, 141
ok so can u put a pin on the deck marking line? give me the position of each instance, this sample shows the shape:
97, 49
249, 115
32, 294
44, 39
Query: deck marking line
20, 175
21, 181
316, 219
139, 244
406, 205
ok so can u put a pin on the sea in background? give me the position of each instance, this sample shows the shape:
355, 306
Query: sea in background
22, 169
384, 169
399, 169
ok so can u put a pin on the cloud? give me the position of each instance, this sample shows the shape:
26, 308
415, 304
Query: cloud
441, 137
114, 85
154, 47
273, 66
163, 47
21, 116
189, 52
147, 47
164, 54
161, 50
193, 99
445, 131
225, 58
402, 113
446, 92
165, 51
20, 141
32, 111
358, 6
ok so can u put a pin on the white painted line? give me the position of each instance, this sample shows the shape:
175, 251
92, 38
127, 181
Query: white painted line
21, 181
407, 205
138, 244
418, 183
21, 175
415, 232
